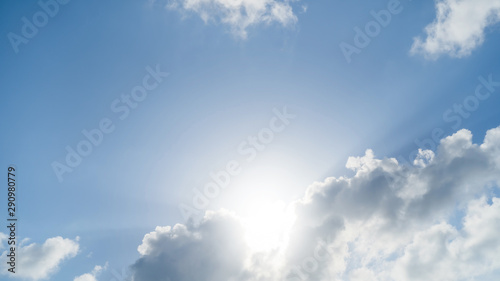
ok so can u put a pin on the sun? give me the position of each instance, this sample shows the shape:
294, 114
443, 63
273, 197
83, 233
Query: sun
268, 226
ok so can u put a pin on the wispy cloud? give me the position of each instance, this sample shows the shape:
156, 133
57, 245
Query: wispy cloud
239, 14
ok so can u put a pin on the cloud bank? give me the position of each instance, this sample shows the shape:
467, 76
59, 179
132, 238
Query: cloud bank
459, 27
435, 220
239, 15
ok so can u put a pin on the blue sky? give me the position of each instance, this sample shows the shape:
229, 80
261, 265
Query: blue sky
227, 77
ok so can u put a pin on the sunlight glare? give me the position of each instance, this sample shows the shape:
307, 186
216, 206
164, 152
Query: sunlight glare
268, 225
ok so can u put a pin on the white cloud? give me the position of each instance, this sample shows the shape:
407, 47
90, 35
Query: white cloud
3, 237
92, 275
459, 27
362, 274
387, 222
239, 14
444, 253
37, 262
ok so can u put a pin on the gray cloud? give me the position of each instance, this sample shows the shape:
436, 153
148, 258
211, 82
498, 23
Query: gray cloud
213, 250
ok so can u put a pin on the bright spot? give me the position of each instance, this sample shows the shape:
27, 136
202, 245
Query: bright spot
268, 226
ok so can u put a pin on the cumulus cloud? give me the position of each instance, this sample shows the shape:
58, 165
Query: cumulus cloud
459, 27
239, 14
213, 250
38, 262
92, 275
387, 222
445, 253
